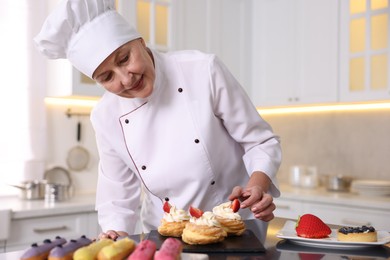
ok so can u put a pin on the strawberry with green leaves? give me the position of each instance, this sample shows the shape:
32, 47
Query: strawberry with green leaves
310, 226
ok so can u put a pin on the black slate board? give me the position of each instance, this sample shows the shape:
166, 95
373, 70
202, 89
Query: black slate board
246, 243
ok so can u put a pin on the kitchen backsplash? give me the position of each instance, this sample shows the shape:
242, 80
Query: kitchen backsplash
354, 143
349, 143
63, 137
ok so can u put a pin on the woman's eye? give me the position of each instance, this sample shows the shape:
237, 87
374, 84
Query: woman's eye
108, 77
124, 59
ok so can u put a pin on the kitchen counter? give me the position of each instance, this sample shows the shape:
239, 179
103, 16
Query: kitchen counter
280, 249
321, 195
39, 208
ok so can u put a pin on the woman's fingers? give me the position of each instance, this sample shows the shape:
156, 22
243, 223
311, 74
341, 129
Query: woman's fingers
110, 234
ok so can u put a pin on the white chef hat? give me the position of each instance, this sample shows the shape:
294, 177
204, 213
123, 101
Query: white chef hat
85, 32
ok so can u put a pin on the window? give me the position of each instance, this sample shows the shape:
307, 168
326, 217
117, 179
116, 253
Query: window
22, 110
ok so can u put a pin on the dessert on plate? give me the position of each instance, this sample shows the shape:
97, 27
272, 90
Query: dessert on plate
203, 228
227, 215
173, 221
357, 234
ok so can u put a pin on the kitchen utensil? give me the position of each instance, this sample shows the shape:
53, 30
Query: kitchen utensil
371, 187
78, 156
59, 184
303, 176
296, 175
56, 192
31, 190
338, 183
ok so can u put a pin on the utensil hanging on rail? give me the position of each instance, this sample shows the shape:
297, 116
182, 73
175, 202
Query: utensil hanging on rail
78, 156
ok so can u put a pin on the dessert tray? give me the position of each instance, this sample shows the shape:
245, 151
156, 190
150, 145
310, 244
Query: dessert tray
288, 232
246, 243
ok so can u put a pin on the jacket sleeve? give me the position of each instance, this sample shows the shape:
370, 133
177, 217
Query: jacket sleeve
262, 150
118, 188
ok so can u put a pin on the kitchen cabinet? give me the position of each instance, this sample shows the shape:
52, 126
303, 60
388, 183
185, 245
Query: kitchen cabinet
333, 212
364, 50
221, 27
63, 80
295, 50
26, 231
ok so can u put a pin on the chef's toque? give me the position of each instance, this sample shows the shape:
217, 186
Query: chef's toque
85, 32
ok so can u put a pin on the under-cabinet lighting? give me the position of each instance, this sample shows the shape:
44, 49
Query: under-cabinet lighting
74, 101
324, 108
91, 102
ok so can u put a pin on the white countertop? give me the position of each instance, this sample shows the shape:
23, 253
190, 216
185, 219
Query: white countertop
86, 202
324, 196
37, 208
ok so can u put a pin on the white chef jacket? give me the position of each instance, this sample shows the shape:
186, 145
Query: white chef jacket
192, 140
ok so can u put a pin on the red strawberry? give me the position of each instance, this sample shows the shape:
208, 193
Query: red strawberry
235, 205
311, 226
166, 207
195, 212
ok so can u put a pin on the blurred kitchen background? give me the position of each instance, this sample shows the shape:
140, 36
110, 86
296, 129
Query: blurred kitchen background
318, 71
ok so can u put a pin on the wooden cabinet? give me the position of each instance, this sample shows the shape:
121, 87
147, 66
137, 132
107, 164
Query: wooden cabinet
333, 213
295, 50
26, 231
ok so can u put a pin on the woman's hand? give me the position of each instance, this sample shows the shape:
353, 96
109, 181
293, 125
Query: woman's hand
111, 234
254, 196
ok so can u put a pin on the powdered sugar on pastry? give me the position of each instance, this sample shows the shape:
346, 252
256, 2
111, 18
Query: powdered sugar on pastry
207, 219
224, 210
176, 215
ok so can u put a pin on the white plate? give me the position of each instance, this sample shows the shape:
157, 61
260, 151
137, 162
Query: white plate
288, 232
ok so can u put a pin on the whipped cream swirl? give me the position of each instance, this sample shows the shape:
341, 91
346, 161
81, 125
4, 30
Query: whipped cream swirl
207, 219
225, 211
176, 215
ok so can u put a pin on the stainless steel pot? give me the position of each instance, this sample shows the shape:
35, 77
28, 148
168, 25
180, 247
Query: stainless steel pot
32, 190
57, 192
58, 186
338, 183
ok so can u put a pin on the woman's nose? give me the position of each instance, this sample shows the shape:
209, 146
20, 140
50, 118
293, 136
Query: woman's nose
126, 78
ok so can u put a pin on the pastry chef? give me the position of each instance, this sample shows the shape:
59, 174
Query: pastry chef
171, 126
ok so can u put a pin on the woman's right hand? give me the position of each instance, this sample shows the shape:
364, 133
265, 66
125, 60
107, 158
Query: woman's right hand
112, 234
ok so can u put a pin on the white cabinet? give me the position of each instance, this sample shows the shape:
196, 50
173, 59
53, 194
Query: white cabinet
333, 213
364, 50
221, 27
295, 48
26, 231
63, 80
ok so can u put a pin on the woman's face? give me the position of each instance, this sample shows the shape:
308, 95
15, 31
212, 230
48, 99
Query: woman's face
128, 71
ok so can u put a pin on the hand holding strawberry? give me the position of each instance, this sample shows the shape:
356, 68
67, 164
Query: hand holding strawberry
235, 206
311, 226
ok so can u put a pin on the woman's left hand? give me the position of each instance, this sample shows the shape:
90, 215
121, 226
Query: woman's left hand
259, 202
